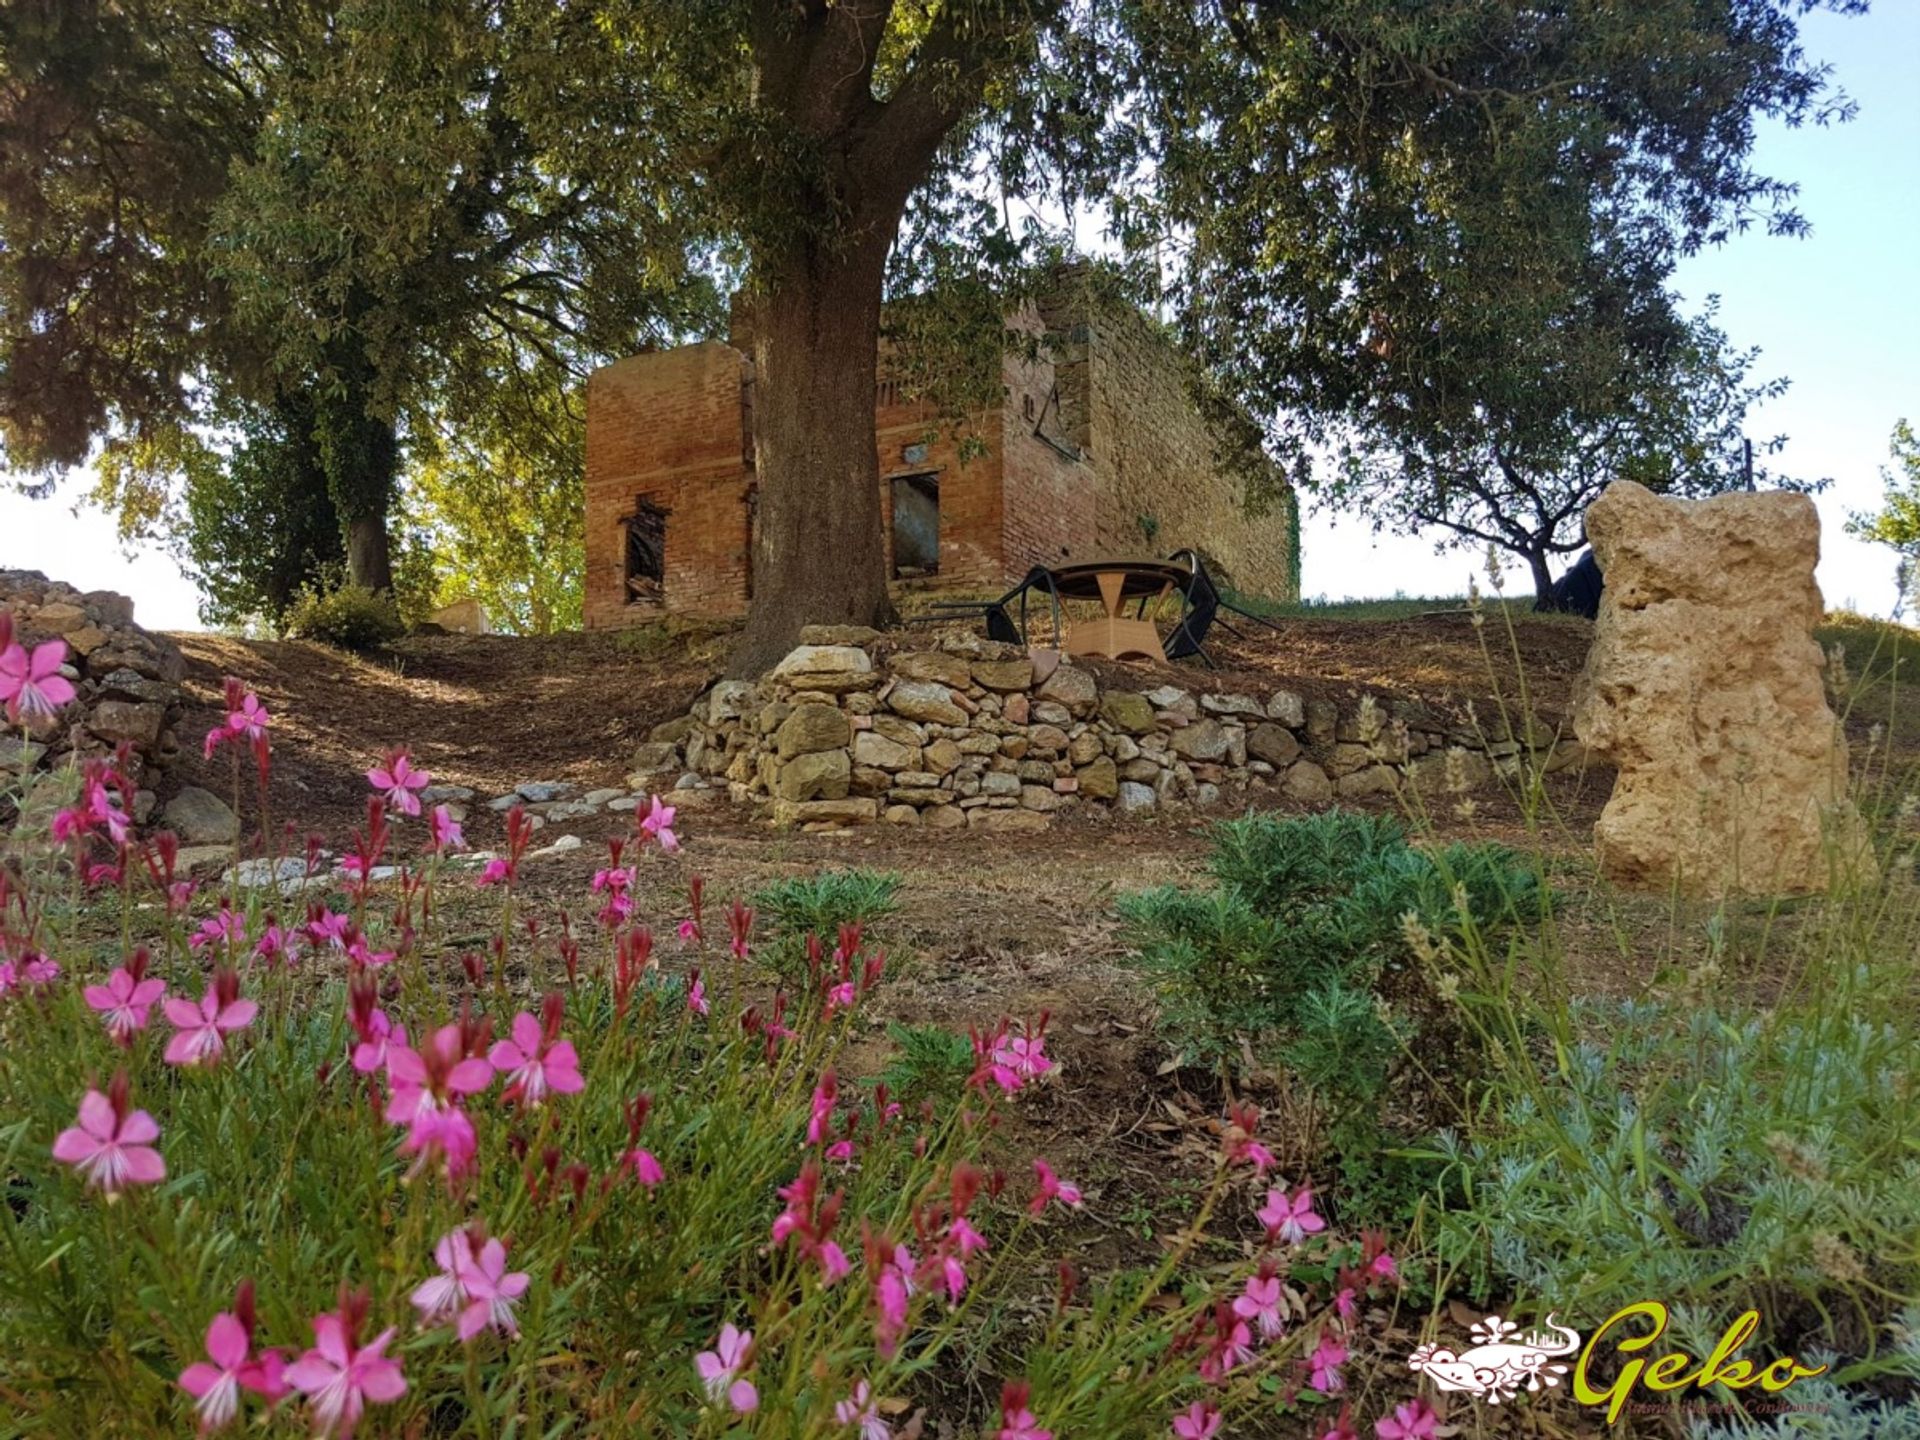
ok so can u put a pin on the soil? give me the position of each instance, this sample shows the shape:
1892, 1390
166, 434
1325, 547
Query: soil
989, 926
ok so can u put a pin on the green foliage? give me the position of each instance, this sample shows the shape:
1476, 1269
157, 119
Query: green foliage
347, 617
1897, 522
1306, 913
930, 1060
818, 905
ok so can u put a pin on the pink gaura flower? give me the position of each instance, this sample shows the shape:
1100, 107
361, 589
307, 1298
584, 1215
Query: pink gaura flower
646, 1169
247, 719
1200, 1421
696, 993
39, 969
443, 831
1243, 1121
1290, 1217
657, 825
31, 684
473, 1287
275, 944
536, 1059
1260, 1302
1378, 1263
1017, 1422
426, 1087
826, 1095
860, 1409
339, 1376
223, 928
397, 780
1323, 1366
1414, 1420
325, 929
1342, 1426
1229, 1347
112, 1147
124, 1003
1019, 1059
230, 1367
201, 1028
722, 1369
1052, 1187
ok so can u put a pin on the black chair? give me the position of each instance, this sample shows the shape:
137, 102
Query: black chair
1000, 623
1203, 604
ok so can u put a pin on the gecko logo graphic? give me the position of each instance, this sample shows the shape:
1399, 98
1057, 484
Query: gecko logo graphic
1501, 1362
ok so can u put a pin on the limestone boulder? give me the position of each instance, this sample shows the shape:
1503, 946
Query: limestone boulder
1127, 711
1072, 687
1705, 689
822, 775
1307, 783
1003, 675
870, 747
950, 670
809, 728
927, 701
1273, 743
1202, 740
199, 817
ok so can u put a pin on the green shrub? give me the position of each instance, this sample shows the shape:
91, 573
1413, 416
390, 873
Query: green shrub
930, 1061
350, 617
819, 904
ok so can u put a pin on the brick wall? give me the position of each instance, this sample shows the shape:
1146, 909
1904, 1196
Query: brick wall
1166, 478
1052, 502
668, 426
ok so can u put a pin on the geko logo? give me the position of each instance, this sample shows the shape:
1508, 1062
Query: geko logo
1503, 1361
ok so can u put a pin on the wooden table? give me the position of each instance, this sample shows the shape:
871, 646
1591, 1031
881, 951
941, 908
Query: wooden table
1114, 582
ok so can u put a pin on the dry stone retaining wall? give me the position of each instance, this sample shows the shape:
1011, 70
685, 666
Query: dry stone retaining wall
968, 733
126, 681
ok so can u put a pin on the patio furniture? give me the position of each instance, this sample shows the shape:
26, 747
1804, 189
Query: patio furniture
1116, 635
1000, 623
1203, 606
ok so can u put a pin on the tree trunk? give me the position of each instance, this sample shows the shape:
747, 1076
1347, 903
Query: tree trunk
1542, 580
369, 554
818, 550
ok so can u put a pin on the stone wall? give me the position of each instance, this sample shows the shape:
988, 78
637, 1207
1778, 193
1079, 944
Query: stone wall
969, 733
126, 682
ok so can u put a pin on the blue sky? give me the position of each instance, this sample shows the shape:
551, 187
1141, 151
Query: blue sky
1838, 312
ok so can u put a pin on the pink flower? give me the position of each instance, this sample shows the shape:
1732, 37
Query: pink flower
859, 1409
38, 969
495, 872
473, 1286
1021, 1057
646, 1169
721, 1369
275, 943
396, 779
657, 824
216, 1386
825, 1096
1201, 1422
696, 994
536, 1059
32, 685
1342, 1426
112, 1147
1260, 1302
443, 831
1414, 1420
127, 998
224, 928
324, 928
1324, 1365
1242, 1122
246, 719
374, 1030
339, 1376
200, 1030
1016, 1420
1230, 1346
425, 1090
1051, 1187
1290, 1218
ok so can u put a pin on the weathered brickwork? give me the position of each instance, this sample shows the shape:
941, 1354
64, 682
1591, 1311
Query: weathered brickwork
1097, 449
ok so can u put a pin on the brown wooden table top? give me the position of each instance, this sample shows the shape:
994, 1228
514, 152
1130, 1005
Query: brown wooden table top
1142, 577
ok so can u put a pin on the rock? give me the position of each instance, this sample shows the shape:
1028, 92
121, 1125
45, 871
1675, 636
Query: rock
1206, 793
1373, 780
1015, 709
1288, 708
1122, 748
289, 874
506, 802
117, 720
926, 700
1036, 771
1141, 769
540, 792
1323, 717
1273, 743
86, 640
937, 665
1042, 798
604, 795
805, 661
997, 783
625, 803
1084, 748
688, 781
672, 732
729, 700
947, 817
458, 794
1454, 771
57, 618
838, 635
1704, 687
1173, 700
853, 810
1006, 822
1202, 740
655, 755
901, 732
901, 815
870, 747
571, 810
1003, 675
1049, 738
1307, 783
560, 846
199, 817
1045, 660
1345, 758
1127, 711
942, 757
1049, 712
1072, 687
1232, 705
1135, 799
1099, 780
867, 780
193, 858
819, 775
18, 756
810, 728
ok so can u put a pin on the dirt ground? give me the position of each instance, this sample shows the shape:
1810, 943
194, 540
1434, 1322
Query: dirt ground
988, 926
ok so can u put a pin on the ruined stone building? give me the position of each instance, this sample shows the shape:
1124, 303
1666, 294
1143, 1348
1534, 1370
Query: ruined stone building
1097, 450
